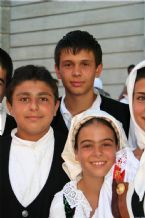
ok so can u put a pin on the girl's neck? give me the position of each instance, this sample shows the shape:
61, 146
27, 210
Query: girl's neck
91, 189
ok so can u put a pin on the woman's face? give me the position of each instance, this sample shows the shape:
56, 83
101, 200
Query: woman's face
139, 103
96, 150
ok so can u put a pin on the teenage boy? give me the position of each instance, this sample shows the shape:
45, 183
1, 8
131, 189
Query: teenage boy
7, 123
78, 60
30, 158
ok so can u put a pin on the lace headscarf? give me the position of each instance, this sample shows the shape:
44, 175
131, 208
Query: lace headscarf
71, 166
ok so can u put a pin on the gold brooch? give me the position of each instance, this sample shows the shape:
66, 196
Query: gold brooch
120, 188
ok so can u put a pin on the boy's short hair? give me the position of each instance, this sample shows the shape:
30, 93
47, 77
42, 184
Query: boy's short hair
78, 40
33, 73
6, 64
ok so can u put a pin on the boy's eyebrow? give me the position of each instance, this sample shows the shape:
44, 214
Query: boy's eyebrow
39, 94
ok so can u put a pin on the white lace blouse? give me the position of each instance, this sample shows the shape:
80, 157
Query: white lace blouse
76, 199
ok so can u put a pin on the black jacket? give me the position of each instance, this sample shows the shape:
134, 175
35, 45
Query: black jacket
39, 208
118, 110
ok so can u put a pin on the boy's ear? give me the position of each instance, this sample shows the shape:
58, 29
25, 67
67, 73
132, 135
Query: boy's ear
57, 72
9, 107
56, 107
99, 70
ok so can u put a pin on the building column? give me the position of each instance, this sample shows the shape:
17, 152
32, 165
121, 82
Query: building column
5, 24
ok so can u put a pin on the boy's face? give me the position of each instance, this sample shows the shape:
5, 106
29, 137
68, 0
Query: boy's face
77, 71
139, 103
33, 107
2, 83
96, 152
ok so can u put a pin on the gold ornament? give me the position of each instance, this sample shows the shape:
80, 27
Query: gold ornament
120, 188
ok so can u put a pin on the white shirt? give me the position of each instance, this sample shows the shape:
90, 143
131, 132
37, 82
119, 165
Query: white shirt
29, 165
67, 116
3, 115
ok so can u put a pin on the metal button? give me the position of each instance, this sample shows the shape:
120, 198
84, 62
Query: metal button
25, 213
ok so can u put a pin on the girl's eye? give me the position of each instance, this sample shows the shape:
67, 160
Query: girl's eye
107, 145
141, 98
86, 146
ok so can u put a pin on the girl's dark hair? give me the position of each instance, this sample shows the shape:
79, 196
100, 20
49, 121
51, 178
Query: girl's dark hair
91, 121
140, 74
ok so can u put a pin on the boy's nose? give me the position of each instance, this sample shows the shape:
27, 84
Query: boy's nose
34, 105
76, 71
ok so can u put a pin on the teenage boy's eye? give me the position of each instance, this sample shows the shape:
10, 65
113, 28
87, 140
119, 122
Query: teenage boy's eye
85, 64
24, 99
43, 99
67, 64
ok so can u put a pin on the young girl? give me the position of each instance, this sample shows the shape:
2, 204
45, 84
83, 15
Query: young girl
136, 96
90, 154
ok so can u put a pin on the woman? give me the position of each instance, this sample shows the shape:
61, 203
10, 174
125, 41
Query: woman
136, 96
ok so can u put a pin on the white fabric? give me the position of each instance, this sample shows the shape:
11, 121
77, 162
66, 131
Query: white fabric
3, 115
139, 183
71, 166
98, 83
140, 134
77, 199
124, 99
29, 165
67, 115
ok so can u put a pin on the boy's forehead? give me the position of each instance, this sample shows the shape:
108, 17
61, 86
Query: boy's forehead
74, 51
33, 86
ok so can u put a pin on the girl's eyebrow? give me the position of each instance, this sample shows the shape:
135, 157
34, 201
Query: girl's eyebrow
102, 140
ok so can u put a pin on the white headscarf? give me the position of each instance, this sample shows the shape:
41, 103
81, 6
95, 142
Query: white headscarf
139, 183
71, 166
140, 134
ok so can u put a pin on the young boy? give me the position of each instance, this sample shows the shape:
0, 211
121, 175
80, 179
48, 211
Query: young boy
30, 158
7, 123
78, 60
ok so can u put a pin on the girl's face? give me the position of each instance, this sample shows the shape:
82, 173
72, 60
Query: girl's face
96, 149
139, 103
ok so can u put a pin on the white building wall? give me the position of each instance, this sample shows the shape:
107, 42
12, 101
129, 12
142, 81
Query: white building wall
118, 26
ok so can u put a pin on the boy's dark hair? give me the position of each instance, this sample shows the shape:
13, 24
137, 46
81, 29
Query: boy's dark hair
75, 41
91, 121
6, 64
34, 73
140, 74
130, 67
